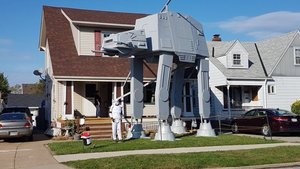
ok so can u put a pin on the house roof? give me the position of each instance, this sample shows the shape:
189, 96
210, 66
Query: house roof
270, 51
102, 16
221, 48
24, 100
64, 57
255, 69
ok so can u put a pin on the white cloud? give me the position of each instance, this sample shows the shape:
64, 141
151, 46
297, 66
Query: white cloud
263, 26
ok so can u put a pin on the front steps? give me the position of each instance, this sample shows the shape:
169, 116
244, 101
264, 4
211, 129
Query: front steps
99, 128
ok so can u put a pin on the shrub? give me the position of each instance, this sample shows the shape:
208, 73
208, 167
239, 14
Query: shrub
296, 107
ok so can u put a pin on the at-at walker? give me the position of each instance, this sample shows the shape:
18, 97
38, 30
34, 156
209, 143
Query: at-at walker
177, 42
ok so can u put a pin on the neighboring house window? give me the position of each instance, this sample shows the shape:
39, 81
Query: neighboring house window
297, 56
271, 89
236, 59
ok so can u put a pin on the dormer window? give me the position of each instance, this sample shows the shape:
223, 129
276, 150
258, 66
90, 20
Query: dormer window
236, 59
297, 56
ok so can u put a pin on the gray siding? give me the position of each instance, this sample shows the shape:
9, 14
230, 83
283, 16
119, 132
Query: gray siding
287, 90
286, 65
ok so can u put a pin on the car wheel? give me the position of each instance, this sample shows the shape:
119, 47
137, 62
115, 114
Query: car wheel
234, 128
265, 130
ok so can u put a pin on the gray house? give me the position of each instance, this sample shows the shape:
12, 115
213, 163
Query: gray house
245, 75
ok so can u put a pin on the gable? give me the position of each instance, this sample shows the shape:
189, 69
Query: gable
286, 66
271, 50
237, 57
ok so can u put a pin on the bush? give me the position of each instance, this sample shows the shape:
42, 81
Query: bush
296, 107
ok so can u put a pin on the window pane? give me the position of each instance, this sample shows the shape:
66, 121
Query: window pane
297, 60
236, 59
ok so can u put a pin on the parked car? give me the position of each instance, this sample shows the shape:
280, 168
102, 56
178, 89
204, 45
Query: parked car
15, 125
266, 122
18, 109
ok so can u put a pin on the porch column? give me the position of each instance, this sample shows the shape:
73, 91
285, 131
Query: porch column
228, 101
69, 100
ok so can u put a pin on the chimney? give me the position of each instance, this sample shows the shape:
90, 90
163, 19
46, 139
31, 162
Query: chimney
216, 37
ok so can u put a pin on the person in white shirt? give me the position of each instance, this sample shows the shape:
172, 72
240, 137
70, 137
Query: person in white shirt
116, 116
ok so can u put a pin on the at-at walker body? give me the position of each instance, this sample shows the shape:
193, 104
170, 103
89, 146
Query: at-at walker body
177, 42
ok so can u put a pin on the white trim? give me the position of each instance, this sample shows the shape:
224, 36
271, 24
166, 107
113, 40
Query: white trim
240, 59
247, 78
245, 83
296, 64
89, 23
115, 25
95, 79
272, 89
265, 93
287, 47
64, 99
230, 48
114, 90
72, 98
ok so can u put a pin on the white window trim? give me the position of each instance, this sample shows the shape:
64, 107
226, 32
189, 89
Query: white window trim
237, 65
295, 56
273, 87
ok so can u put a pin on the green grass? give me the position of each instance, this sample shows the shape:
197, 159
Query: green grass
195, 160
74, 147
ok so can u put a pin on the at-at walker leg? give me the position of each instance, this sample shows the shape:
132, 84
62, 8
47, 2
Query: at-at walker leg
136, 98
205, 128
176, 99
164, 132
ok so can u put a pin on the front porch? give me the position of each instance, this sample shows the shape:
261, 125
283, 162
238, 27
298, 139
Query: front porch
235, 100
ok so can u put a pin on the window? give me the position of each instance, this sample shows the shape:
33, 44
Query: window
250, 113
149, 93
297, 56
271, 89
236, 59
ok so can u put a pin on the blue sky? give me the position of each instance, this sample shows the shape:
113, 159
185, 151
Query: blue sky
245, 20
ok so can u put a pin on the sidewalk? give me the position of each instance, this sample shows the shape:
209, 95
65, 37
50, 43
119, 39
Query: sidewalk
85, 156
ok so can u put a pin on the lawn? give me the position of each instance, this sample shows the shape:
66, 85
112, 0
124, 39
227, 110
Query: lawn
195, 160
74, 147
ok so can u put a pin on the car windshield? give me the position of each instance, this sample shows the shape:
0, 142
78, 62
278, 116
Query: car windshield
284, 113
13, 116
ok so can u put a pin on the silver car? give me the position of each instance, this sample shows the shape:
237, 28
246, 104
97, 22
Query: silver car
15, 125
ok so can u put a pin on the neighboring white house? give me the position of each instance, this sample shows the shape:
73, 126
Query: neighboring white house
245, 75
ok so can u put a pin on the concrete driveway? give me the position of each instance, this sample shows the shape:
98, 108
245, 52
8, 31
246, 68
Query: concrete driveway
28, 155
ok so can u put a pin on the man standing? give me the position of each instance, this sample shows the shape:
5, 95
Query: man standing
97, 103
116, 116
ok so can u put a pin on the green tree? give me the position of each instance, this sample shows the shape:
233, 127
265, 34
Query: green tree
4, 87
40, 87
296, 107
